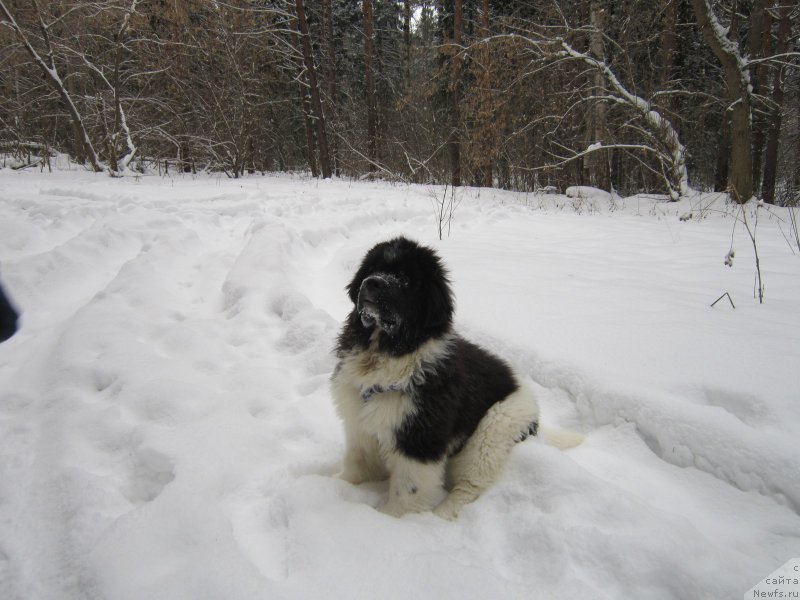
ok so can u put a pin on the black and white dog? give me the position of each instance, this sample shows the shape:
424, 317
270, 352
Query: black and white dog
421, 406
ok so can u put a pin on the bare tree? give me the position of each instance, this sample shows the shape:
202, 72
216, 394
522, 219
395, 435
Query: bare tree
305, 103
597, 126
111, 78
552, 50
369, 84
329, 53
669, 38
406, 43
524, 94
454, 143
759, 45
737, 80
316, 102
482, 104
778, 85
48, 67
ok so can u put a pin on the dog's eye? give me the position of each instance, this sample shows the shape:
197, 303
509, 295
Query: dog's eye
403, 280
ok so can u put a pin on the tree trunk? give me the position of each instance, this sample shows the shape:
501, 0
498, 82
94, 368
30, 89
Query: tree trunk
305, 104
406, 45
598, 161
722, 168
774, 134
311, 146
455, 98
484, 175
120, 119
759, 45
330, 76
318, 115
737, 81
369, 84
669, 38
723, 154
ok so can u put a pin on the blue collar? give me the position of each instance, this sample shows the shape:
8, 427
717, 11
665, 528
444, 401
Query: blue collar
367, 394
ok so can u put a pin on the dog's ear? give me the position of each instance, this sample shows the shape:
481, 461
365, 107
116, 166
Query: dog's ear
439, 304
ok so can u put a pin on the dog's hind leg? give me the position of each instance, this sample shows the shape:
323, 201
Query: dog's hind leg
481, 461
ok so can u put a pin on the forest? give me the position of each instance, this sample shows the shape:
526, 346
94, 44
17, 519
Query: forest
631, 96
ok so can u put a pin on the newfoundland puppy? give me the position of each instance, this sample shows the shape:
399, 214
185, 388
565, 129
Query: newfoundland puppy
421, 406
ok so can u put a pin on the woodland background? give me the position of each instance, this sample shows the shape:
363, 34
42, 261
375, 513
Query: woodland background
630, 95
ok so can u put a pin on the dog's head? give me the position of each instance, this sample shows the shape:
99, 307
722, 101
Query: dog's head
401, 288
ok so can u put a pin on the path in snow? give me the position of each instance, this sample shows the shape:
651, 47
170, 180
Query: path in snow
166, 428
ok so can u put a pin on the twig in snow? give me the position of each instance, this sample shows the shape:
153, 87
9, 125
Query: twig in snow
721, 297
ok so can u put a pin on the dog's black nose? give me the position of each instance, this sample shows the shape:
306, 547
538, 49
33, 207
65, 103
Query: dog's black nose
371, 287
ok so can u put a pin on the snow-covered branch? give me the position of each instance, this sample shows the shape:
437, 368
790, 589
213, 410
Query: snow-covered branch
553, 50
51, 74
740, 97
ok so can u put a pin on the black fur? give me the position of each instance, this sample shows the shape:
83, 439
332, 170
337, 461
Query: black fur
450, 405
421, 298
408, 304
8, 317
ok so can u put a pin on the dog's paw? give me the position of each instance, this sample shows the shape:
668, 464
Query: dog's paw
350, 477
447, 510
393, 509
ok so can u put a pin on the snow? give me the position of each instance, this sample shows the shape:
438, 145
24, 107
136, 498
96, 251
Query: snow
166, 428
587, 192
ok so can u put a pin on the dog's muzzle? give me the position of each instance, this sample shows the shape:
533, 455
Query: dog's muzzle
372, 301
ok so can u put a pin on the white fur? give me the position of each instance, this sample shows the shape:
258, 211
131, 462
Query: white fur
371, 454
369, 426
481, 461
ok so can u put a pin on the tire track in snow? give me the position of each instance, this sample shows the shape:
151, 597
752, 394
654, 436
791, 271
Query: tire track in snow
269, 309
294, 338
223, 306
80, 430
44, 493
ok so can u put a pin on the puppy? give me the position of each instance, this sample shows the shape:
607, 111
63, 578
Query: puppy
421, 406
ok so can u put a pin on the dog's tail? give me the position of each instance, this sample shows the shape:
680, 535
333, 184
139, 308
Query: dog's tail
561, 438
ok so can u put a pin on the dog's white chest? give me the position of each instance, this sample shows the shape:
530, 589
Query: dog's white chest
384, 413
363, 405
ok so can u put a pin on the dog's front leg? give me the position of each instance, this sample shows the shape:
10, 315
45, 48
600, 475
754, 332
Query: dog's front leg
362, 460
414, 486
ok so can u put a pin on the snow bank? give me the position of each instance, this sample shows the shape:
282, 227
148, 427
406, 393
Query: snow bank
166, 429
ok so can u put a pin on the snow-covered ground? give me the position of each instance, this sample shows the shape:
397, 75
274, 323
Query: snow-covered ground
166, 429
